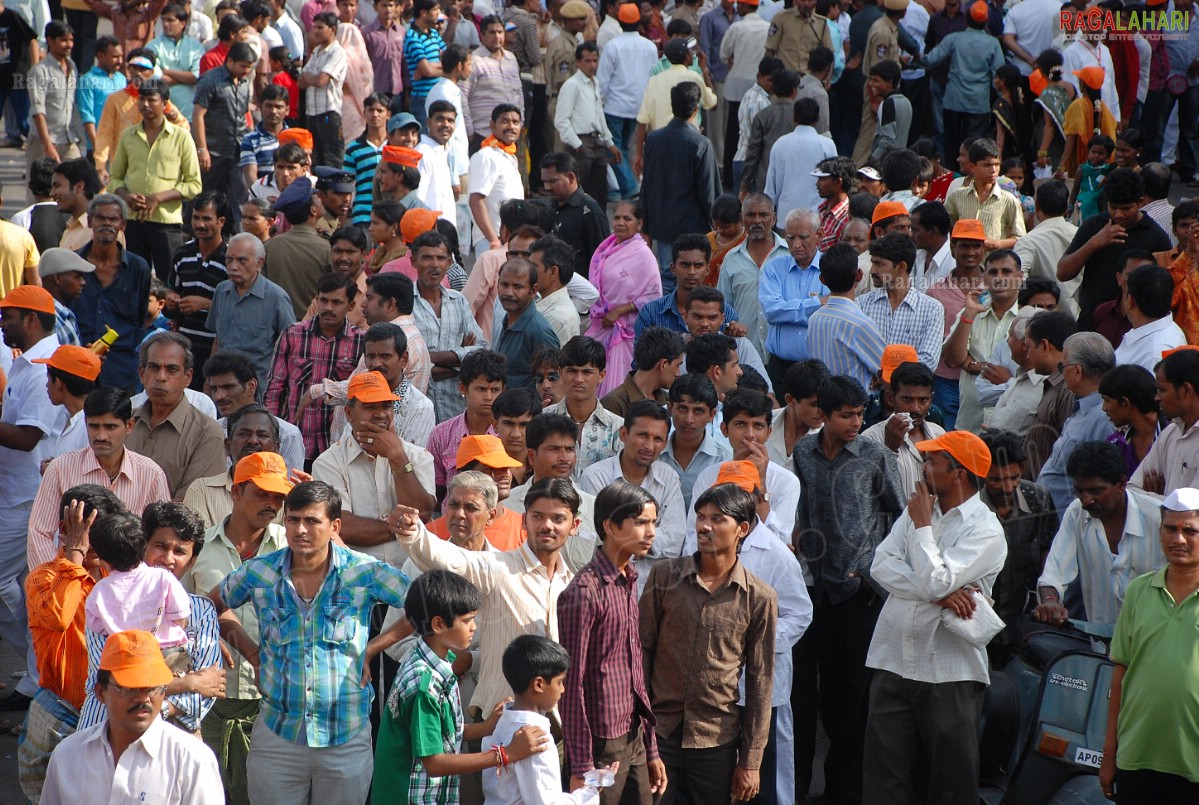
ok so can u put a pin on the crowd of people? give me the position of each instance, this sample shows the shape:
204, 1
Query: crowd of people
431, 402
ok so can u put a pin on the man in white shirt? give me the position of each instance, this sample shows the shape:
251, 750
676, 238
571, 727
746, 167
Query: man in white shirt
1148, 293
438, 183
1029, 29
133, 754
623, 74
1173, 461
1108, 537
494, 175
789, 180
928, 686
555, 260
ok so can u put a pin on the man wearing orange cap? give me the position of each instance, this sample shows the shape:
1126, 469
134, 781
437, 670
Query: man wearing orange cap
71, 374
373, 469
925, 704
133, 752
966, 242
259, 483
28, 421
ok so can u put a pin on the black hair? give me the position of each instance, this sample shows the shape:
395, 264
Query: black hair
912, 374
1134, 382
696, 386
784, 82
1102, 460
839, 268
559, 489
746, 401
684, 99
691, 242
75, 385
731, 500
619, 501
1054, 326
108, 400
933, 215
1181, 367
981, 149
531, 656
491, 366
394, 285
251, 409
900, 168
1034, 286
1153, 289
895, 247
806, 112
386, 331
516, 402
95, 498
657, 344
582, 350
354, 235
709, 350
1124, 186
311, 493
556, 252
228, 361
840, 392
1006, 447
1053, 197
648, 409
80, 170
119, 540
544, 425
888, 71
439, 594
726, 209
186, 524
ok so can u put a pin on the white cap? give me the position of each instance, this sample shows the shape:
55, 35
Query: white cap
1182, 500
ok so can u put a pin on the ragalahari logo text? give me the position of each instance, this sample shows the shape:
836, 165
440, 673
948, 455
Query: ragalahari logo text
1100, 23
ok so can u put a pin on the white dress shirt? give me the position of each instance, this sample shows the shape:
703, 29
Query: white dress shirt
919, 567
781, 485
165, 766
1081, 551
663, 483
909, 459
1175, 455
624, 73
580, 111
1144, 345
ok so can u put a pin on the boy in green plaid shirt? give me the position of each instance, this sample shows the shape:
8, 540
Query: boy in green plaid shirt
416, 759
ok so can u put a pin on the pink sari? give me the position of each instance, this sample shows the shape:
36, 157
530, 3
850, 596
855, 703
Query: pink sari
359, 83
622, 271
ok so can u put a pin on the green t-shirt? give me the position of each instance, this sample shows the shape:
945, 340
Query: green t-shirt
423, 717
1158, 642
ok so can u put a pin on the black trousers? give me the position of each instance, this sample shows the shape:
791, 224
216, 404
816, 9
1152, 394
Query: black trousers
156, 243
328, 148
1148, 787
696, 776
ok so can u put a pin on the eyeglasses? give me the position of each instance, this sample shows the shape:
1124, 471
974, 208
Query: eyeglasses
137, 693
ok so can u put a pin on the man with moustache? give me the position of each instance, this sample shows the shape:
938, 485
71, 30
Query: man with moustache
133, 749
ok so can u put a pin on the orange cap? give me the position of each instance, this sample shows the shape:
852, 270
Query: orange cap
417, 222
979, 12
30, 297
894, 356
134, 660
968, 229
888, 209
73, 360
268, 471
742, 473
966, 448
399, 155
629, 13
488, 450
301, 137
1091, 76
370, 387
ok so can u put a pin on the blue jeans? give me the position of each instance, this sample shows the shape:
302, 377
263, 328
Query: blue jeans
947, 396
624, 129
664, 251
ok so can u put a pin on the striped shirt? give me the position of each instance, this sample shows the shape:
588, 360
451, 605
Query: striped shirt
918, 320
139, 483
196, 275
204, 647
844, 337
259, 148
1000, 212
445, 334
362, 158
420, 47
310, 671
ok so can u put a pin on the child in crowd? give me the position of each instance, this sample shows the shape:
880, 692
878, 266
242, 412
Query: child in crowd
134, 595
1091, 175
536, 669
416, 755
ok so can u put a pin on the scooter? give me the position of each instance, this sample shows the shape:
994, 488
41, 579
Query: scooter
1045, 717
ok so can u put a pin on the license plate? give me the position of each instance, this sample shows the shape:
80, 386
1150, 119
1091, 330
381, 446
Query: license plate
1088, 757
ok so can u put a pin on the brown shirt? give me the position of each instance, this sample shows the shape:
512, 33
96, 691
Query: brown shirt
620, 398
1056, 405
696, 643
187, 445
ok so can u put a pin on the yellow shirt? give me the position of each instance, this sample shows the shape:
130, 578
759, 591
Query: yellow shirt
169, 163
655, 106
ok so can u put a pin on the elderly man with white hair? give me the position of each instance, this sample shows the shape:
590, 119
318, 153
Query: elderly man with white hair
248, 311
790, 290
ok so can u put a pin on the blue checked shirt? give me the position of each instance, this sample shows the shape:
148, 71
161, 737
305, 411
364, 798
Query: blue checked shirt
311, 656
919, 321
845, 338
204, 646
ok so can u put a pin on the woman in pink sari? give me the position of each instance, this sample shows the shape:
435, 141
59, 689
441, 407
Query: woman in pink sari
625, 272
360, 80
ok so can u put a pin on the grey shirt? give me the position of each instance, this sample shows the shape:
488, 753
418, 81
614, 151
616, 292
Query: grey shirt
251, 323
52, 94
225, 104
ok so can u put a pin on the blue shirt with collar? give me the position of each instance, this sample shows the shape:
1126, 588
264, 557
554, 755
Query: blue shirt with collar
1088, 423
789, 295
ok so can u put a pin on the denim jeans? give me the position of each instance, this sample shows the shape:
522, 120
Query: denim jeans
624, 129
